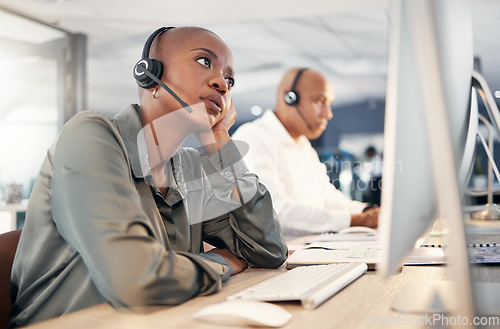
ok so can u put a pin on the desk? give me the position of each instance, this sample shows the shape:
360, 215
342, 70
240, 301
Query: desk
363, 304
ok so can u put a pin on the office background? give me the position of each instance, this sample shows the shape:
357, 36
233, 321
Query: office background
59, 57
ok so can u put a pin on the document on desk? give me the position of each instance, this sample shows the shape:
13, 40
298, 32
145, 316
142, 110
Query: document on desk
487, 253
358, 252
336, 252
332, 237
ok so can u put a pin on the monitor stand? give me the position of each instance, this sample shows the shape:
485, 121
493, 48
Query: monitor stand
433, 297
491, 211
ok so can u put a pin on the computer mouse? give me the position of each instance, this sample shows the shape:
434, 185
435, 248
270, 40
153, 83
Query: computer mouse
244, 312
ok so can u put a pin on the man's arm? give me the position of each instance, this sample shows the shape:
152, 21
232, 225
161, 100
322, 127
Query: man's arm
367, 218
360, 214
295, 219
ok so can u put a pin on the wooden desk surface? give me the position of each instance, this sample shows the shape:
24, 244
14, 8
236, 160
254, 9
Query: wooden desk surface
365, 303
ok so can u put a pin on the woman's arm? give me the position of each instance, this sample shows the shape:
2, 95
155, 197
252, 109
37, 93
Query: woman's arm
98, 212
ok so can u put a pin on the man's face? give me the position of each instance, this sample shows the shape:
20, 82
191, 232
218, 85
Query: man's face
316, 98
200, 70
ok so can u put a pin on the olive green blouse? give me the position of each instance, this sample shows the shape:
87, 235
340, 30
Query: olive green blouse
97, 230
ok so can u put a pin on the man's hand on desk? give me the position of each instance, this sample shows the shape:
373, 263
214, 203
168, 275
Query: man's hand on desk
238, 264
367, 218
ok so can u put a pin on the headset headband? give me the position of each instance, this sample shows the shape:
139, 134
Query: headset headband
149, 42
294, 84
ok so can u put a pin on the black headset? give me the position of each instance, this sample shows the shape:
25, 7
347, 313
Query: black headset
292, 97
148, 71
153, 66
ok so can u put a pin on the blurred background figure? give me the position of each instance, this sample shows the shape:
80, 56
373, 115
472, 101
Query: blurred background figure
374, 166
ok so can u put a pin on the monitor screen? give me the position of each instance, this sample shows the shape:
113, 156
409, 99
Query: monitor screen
409, 200
427, 129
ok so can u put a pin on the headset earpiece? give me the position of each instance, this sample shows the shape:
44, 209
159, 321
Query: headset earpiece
153, 66
291, 97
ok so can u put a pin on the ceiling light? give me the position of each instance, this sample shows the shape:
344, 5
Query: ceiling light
256, 110
497, 94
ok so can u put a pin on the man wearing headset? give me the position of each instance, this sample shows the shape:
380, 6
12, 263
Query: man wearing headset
283, 158
119, 212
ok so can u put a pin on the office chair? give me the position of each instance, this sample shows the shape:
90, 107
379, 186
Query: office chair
8, 246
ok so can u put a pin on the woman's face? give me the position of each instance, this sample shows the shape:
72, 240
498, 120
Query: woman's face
199, 69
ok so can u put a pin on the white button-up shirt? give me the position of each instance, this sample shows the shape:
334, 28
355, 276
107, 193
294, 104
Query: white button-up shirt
303, 197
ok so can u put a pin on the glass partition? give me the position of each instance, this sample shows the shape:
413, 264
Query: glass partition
33, 62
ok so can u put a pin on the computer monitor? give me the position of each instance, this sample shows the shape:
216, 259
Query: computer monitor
427, 128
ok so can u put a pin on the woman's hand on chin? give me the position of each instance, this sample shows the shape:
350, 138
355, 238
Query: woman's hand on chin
214, 139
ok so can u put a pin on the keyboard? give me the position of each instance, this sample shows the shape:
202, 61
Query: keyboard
311, 285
